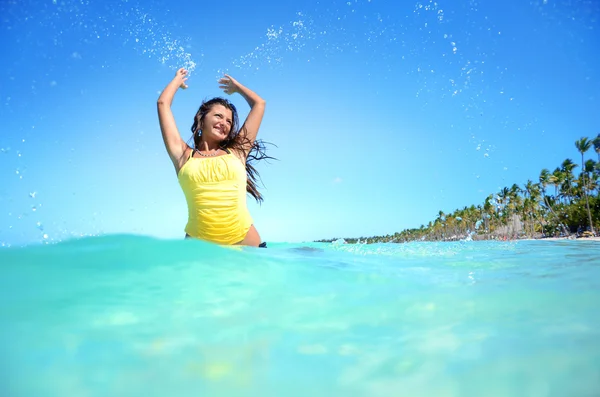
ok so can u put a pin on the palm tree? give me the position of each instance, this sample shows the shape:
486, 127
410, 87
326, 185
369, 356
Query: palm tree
596, 176
515, 201
488, 213
583, 145
515, 206
535, 195
591, 170
558, 180
530, 204
567, 168
545, 179
502, 198
441, 222
527, 213
596, 143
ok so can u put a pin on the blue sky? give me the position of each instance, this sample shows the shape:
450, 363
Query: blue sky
383, 112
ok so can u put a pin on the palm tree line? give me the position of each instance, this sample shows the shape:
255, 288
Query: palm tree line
562, 203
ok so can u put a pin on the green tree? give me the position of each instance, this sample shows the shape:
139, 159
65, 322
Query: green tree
583, 145
489, 212
596, 143
531, 204
568, 179
547, 179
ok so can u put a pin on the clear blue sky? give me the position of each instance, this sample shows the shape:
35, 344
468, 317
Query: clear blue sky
383, 112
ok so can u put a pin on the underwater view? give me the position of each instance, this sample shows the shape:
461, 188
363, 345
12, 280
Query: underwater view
422, 183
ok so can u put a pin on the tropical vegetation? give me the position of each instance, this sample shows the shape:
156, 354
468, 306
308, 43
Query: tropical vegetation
564, 202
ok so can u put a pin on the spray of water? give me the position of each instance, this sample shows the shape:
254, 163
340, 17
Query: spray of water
124, 22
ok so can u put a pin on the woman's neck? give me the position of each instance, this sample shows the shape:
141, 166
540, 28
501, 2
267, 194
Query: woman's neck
208, 146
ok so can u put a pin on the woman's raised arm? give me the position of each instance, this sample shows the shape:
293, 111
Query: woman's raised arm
175, 146
257, 109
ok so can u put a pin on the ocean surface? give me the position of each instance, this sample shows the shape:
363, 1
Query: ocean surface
127, 315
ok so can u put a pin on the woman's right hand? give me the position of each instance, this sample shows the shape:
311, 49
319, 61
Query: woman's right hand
181, 77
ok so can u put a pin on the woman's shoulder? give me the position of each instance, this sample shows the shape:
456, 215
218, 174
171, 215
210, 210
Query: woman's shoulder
238, 153
187, 154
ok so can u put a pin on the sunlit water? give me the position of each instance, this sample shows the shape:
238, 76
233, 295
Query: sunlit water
134, 316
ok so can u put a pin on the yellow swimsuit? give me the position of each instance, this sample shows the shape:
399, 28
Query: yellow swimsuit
215, 191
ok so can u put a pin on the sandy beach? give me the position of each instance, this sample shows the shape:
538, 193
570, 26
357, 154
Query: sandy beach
566, 238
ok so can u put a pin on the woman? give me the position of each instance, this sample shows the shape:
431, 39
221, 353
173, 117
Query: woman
216, 172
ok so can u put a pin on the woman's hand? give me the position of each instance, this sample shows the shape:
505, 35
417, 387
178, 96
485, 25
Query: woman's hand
229, 85
181, 77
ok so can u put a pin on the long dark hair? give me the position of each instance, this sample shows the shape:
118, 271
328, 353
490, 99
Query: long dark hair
236, 140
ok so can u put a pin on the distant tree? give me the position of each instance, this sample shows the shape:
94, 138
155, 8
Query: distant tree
583, 145
596, 143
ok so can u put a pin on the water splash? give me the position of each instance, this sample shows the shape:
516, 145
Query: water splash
583, 13
120, 22
386, 40
278, 40
152, 40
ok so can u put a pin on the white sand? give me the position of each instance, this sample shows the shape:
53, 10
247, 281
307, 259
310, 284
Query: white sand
566, 238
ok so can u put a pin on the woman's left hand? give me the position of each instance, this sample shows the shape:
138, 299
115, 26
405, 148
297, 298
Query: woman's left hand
228, 84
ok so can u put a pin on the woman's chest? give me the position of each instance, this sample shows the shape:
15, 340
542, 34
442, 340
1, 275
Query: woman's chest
212, 170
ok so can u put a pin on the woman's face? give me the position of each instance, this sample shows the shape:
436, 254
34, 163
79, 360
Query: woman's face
217, 123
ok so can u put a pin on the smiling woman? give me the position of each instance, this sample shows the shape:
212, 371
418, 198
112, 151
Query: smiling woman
215, 173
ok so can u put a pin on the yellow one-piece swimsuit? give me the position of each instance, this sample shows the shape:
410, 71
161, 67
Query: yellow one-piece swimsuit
215, 191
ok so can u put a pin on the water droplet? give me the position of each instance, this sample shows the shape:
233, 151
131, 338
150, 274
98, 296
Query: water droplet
45, 236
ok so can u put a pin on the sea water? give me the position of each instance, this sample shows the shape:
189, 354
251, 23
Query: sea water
135, 316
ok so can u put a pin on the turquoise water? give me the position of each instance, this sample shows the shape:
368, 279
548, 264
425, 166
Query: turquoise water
135, 316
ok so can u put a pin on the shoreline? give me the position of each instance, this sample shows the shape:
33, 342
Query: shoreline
562, 238
475, 239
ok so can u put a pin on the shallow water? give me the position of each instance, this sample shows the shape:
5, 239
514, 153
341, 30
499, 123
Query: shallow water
134, 316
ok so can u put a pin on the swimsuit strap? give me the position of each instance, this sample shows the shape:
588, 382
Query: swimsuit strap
194, 149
